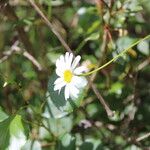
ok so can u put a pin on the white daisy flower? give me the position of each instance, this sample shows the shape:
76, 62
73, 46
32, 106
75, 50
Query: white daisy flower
68, 70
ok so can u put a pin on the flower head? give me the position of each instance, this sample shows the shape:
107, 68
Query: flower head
67, 70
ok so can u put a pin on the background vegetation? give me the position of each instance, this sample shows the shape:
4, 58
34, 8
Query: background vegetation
32, 116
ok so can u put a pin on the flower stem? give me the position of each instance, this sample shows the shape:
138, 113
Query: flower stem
115, 58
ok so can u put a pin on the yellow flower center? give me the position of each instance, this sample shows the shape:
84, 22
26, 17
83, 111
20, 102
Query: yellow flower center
68, 76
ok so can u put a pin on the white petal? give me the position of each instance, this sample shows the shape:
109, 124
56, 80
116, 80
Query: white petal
70, 60
79, 70
57, 62
76, 61
60, 64
74, 92
59, 72
66, 92
67, 60
58, 80
79, 82
59, 86
62, 59
66, 57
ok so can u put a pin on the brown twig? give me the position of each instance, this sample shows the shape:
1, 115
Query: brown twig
8, 53
143, 137
16, 49
49, 24
143, 64
48, 144
105, 4
109, 112
33, 60
103, 49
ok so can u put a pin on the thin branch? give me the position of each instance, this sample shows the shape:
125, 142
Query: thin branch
3, 59
109, 112
32, 59
143, 64
16, 49
48, 144
105, 4
143, 137
49, 24
8, 53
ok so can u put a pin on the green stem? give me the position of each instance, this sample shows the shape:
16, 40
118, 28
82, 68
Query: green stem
80, 46
119, 55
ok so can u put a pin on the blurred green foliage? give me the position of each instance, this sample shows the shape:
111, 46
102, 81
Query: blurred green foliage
33, 117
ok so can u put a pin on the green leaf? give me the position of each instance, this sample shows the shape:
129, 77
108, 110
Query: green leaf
32, 145
4, 133
124, 42
67, 142
3, 115
44, 134
12, 133
59, 126
28, 21
133, 6
92, 109
93, 27
86, 146
133, 147
92, 37
91, 144
53, 56
116, 116
57, 106
116, 88
143, 47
